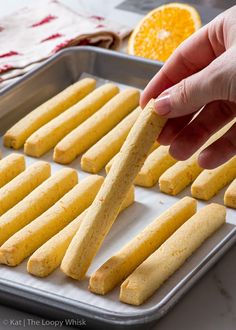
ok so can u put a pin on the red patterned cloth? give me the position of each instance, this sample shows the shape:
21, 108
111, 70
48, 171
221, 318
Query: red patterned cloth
35, 33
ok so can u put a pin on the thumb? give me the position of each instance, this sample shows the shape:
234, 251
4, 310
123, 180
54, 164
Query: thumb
192, 93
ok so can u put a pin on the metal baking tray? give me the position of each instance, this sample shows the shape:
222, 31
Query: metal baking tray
57, 296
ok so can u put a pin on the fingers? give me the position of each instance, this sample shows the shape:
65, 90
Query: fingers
213, 117
220, 151
186, 60
215, 82
172, 128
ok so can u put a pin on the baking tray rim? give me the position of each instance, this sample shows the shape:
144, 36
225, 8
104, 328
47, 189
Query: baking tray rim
67, 51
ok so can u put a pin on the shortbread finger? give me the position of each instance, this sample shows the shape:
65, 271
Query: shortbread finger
157, 268
10, 167
230, 195
23, 184
179, 176
50, 134
124, 262
104, 210
106, 148
210, 182
28, 239
95, 127
49, 256
37, 202
155, 165
113, 160
16, 136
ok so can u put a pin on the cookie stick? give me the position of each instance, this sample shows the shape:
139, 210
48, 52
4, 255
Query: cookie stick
109, 164
23, 184
104, 210
230, 195
155, 164
179, 176
157, 268
49, 256
210, 182
28, 239
100, 153
51, 133
37, 202
124, 262
10, 167
16, 136
95, 127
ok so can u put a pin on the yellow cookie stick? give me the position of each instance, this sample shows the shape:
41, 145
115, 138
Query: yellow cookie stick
210, 182
157, 268
105, 208
23, 184
124, 262
37, 202
49, 256
179, 176
230, 195
95, 127
106, 148
155, 164
10, 167
50, 134
16, 136
28, 239
113, 160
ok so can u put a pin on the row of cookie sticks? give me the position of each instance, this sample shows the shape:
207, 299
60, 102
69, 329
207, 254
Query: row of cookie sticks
41, 215
79, 118
36, 205
73, 129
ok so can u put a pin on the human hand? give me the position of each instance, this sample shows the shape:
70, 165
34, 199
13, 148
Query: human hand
201, 72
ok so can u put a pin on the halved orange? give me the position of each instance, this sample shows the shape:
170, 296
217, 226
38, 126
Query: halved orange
162, 30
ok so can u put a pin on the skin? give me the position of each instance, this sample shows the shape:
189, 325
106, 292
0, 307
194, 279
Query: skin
199, 79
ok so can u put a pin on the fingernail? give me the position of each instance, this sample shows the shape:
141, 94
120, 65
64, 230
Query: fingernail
162, 105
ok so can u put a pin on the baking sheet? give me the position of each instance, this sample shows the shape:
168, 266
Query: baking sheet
149, 203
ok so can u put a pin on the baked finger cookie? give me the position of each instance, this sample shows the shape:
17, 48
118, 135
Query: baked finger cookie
37, 202
105, 149
28, 239
157, 268
49, 256
95, 127
113, 160
50, 134
16, 136
124, 262
230, 195
105, 208
210, 182
23, 184
155, 164
179, 176
10, 167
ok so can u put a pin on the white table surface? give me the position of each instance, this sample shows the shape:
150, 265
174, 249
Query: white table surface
211, 303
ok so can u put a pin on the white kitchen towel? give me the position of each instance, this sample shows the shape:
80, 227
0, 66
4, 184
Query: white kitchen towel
36, 32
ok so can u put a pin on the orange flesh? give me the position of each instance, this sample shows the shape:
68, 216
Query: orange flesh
162, 32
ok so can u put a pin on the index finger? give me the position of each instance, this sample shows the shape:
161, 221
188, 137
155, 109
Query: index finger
191, 56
